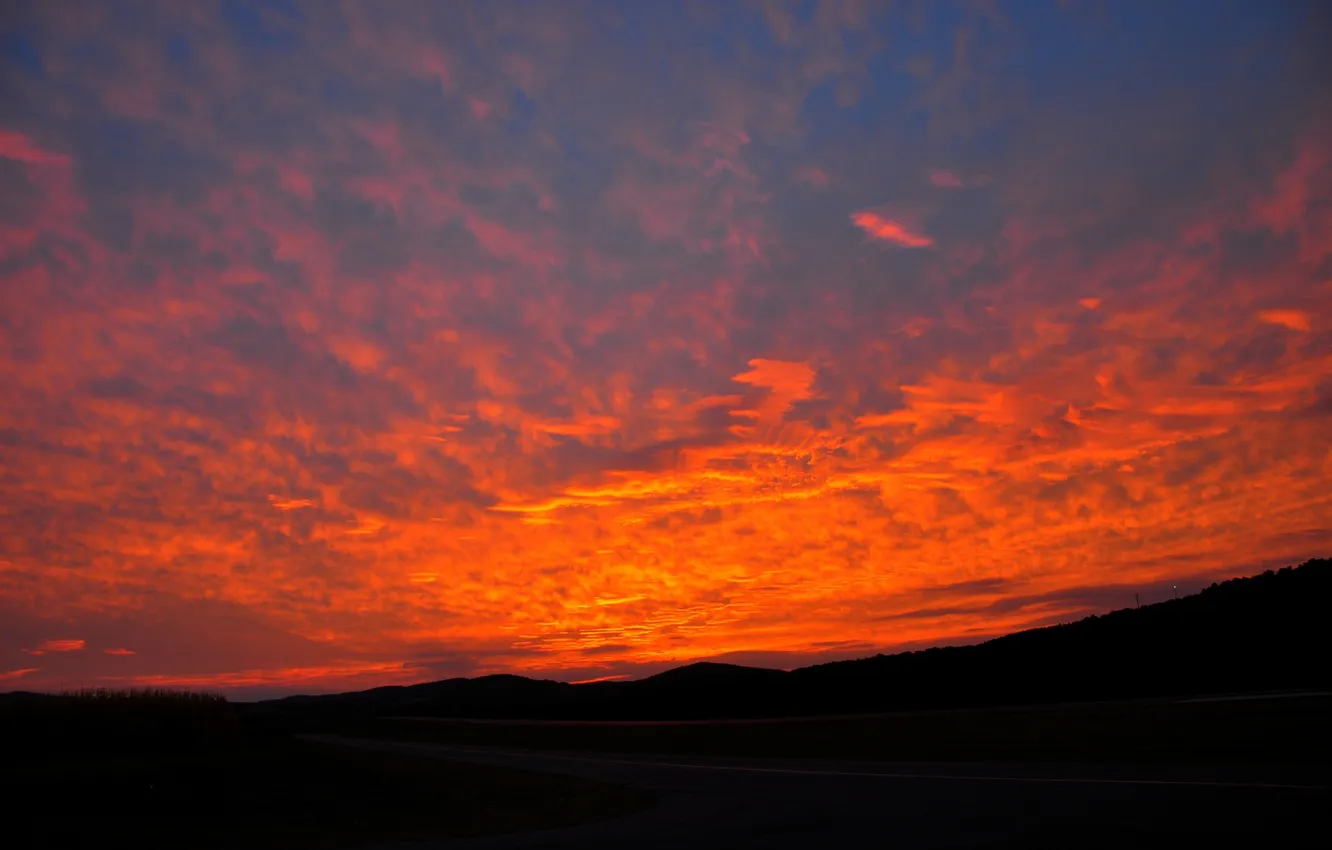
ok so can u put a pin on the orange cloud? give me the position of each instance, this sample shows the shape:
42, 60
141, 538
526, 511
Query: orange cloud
286, 677
290, 504
118, 652
1295, 320
787, 381
585, 427
887, 230
56, 646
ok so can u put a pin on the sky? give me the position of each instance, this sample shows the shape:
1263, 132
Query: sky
348, 344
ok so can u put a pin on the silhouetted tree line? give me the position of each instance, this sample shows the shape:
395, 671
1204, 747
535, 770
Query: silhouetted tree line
1263, 633
104, 720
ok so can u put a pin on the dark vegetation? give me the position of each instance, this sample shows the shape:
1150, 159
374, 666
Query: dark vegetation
173, 769
1264, 633
109, 721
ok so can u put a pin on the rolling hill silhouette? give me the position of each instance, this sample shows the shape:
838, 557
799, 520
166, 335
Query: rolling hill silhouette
1263, 633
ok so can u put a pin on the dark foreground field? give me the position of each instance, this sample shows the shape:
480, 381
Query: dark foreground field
1253, 730
89, 773
286, 795
1217, 772
178, 771
710, 803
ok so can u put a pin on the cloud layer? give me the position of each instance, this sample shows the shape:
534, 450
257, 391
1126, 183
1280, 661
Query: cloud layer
348, 344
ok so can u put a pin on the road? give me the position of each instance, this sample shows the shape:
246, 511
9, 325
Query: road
707, 803
1047, 707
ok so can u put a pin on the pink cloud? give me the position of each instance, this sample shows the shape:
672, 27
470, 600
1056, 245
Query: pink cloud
11, 675
20, 147
56, 646
945, 179
887, 230
813, 176
480, 109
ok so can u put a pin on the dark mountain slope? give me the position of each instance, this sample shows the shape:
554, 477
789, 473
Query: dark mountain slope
1251, 634
1262, 633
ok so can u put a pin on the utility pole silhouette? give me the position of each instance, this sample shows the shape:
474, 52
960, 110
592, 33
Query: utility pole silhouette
1137, 603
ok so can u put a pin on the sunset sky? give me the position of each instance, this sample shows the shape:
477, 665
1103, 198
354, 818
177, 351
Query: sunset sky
356, 344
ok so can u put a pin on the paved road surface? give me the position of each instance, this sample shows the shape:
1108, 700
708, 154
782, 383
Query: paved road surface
1045, 707
782, 803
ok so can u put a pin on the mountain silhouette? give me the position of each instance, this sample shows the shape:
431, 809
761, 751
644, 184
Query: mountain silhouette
1262, 633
